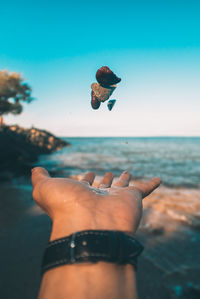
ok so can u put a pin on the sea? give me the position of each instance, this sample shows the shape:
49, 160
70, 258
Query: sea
176, 160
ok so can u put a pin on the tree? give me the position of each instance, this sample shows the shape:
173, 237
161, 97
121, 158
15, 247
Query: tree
13, 91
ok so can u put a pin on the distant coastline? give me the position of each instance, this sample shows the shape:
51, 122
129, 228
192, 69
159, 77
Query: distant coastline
20, 148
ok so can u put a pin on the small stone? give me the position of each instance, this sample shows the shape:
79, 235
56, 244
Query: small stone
111, 104
95, 103
102, 93
105, 77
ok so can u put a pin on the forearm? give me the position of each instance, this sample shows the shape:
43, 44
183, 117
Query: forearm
76, 205
89, 281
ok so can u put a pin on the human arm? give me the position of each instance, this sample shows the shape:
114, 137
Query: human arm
76, 205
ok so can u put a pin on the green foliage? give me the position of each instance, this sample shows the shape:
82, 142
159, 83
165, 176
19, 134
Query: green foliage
13, 91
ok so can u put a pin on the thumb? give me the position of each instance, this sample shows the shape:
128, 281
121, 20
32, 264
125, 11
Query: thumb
148, 187
38, 174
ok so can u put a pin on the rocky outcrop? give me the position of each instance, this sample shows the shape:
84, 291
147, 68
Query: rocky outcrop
20, 148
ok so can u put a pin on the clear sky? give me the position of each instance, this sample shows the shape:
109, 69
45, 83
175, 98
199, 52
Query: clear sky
154, 46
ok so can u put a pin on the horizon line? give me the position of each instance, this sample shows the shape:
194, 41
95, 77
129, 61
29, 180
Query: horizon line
153, 136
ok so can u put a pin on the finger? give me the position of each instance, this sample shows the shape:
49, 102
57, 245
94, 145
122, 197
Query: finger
148, 187
38, 174
88, 178
106, 181
123, 180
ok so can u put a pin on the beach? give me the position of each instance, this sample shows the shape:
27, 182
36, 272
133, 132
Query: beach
169, 266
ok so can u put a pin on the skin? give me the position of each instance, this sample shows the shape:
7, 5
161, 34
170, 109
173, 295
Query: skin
76, 205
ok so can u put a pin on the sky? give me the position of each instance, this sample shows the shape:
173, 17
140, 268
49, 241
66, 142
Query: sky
154, 46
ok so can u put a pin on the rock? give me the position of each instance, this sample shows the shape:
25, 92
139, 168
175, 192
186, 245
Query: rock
111, 104
102, 93
95, 103
105, 77
20, 148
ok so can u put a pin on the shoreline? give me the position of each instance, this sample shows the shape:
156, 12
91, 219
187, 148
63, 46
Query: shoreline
169, 231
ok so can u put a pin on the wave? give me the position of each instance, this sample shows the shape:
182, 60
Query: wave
176, 161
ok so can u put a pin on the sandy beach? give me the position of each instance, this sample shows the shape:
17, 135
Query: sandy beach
168, 268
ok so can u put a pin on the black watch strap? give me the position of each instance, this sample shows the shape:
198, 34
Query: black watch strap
92, 246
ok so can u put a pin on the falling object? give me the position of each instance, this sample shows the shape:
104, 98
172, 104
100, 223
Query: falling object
111, 104
102, 90
105, 77
95, 103
102, 93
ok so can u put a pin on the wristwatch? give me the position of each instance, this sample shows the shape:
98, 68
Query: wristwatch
92, 246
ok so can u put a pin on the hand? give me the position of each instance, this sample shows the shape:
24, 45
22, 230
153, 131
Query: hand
77, 205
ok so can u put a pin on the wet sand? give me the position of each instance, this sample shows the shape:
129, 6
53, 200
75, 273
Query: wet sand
170, 231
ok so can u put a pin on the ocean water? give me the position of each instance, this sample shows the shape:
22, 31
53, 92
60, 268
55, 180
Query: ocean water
176, 160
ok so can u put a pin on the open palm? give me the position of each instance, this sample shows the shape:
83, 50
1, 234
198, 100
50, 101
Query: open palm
77, 205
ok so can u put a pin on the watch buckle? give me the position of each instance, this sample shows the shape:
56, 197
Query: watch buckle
72, 248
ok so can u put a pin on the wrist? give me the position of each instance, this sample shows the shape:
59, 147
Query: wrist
101, 279
92, 246
62, 227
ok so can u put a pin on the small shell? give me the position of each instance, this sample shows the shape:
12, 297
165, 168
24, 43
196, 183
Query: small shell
105, 77
111, 104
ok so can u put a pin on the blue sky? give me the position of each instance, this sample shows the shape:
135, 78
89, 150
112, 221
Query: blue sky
154, 46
